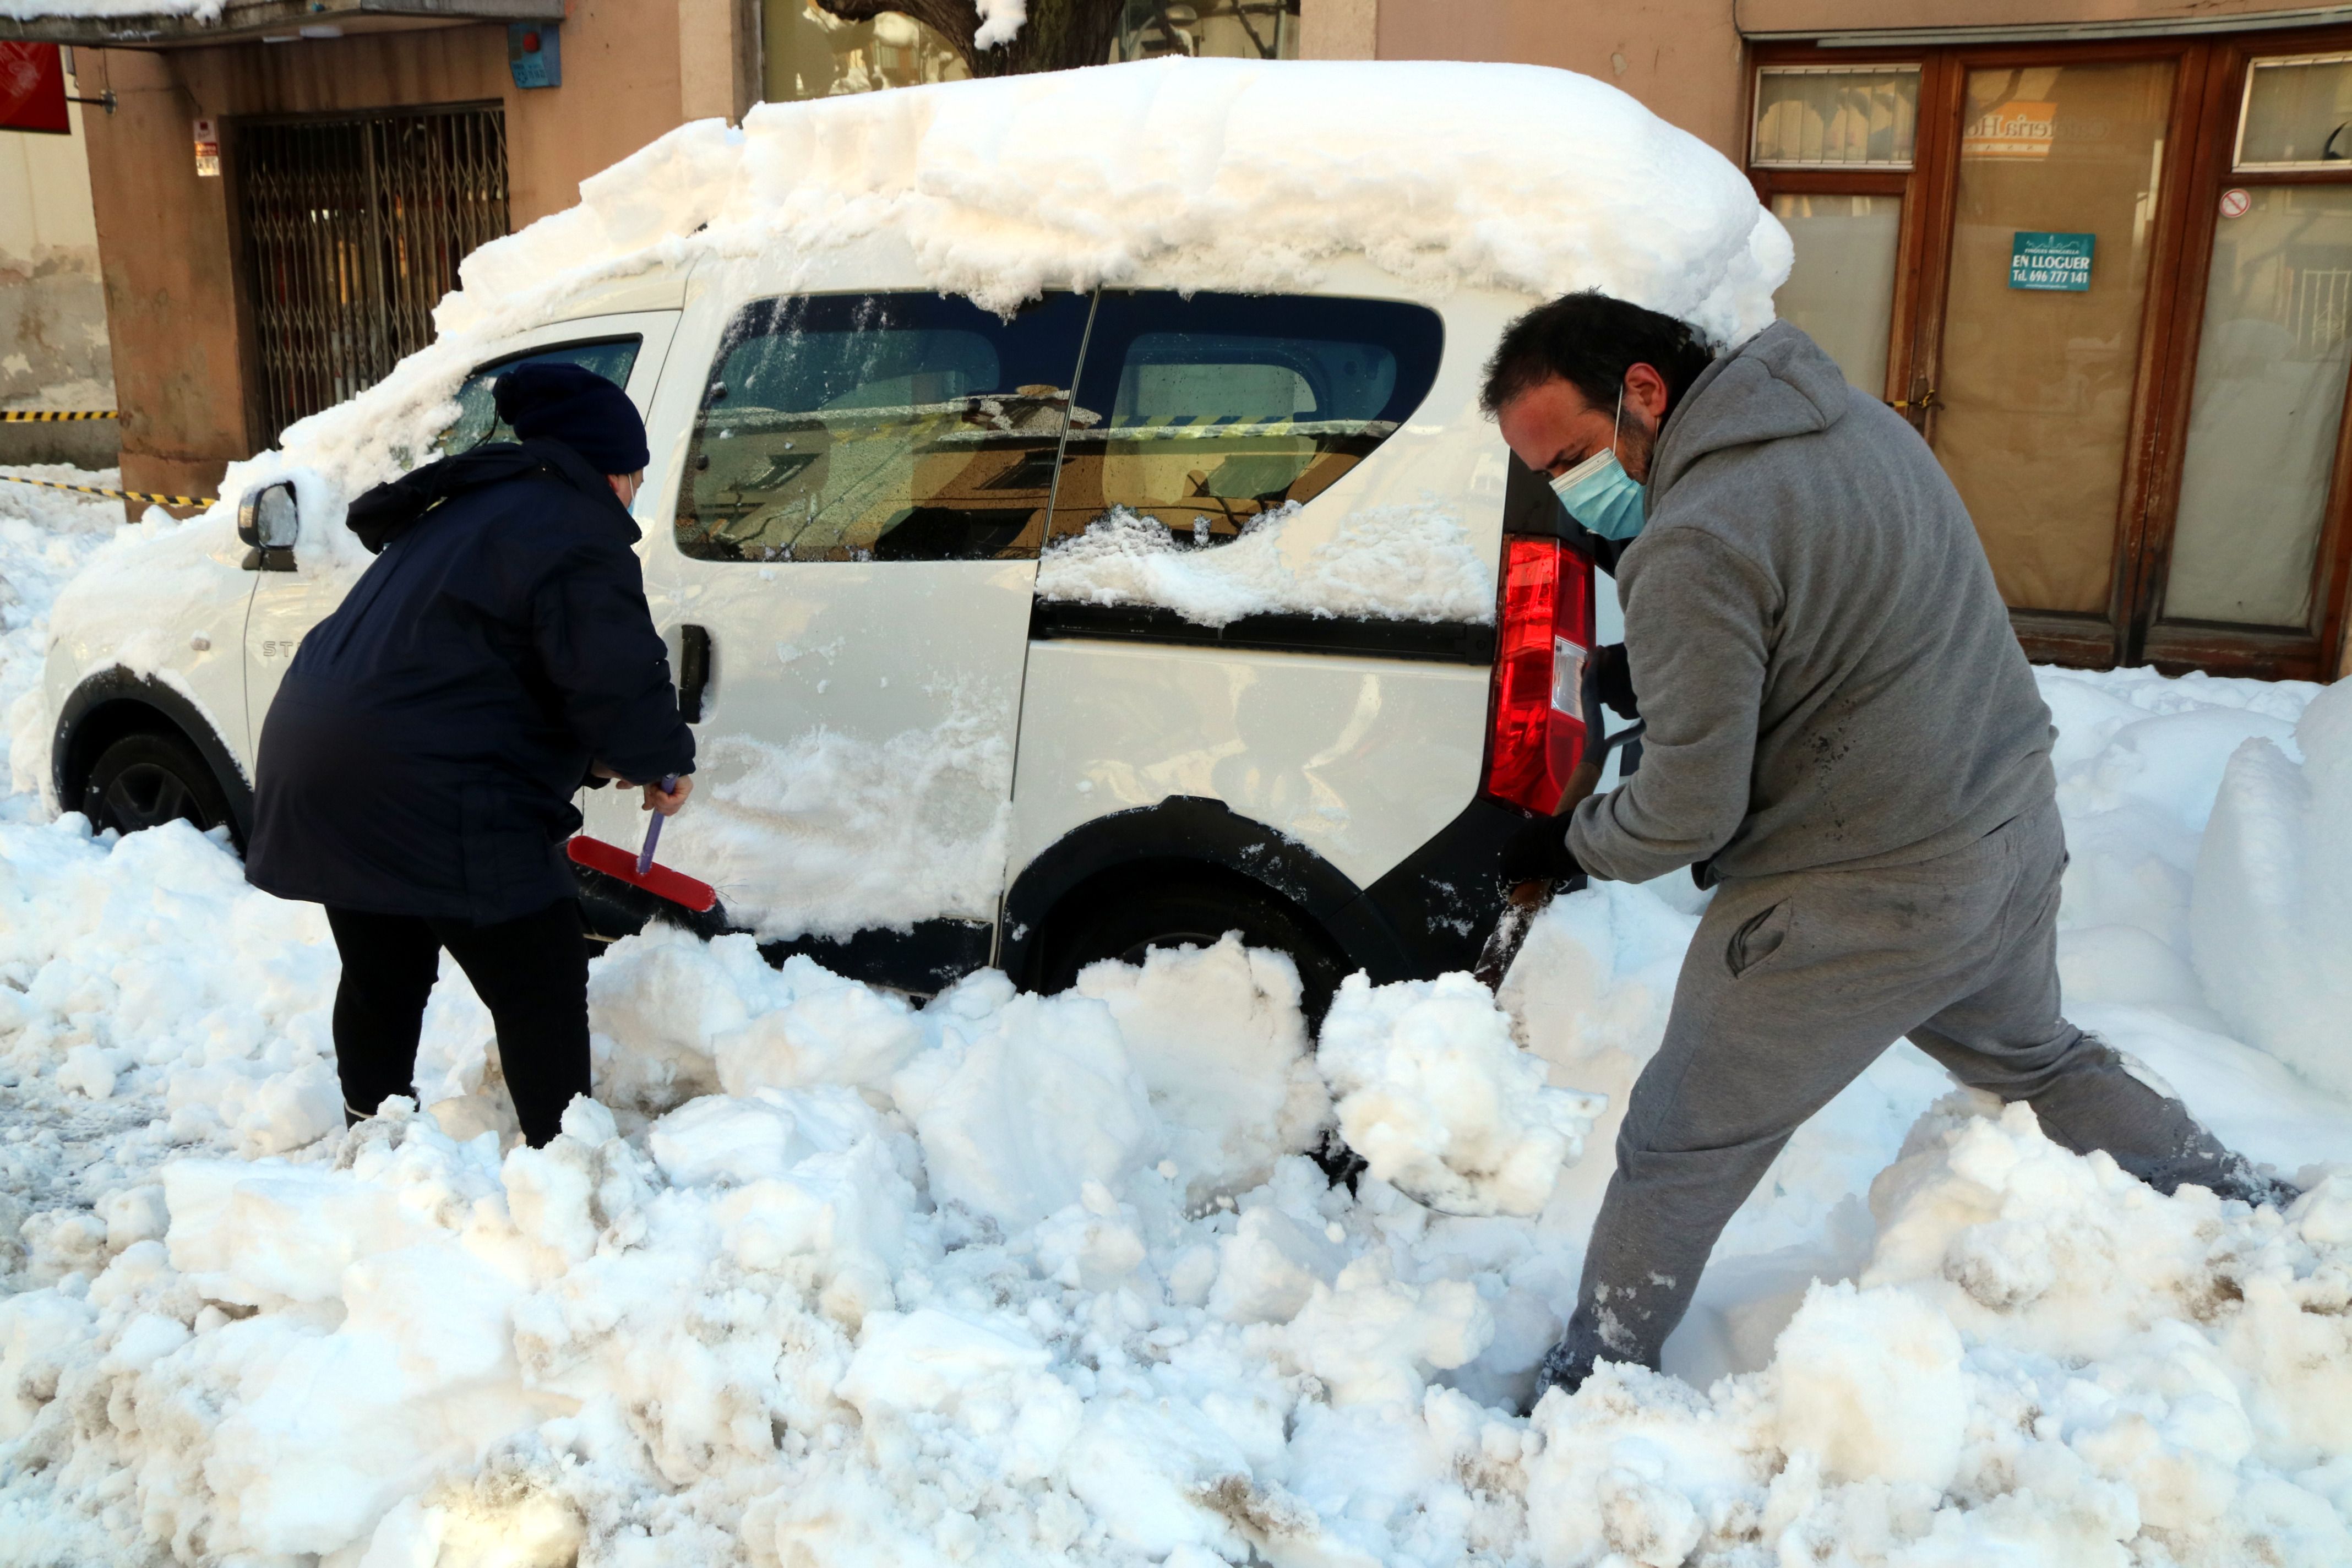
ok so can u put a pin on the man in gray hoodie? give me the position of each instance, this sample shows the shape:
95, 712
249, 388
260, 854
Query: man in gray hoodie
1845, 740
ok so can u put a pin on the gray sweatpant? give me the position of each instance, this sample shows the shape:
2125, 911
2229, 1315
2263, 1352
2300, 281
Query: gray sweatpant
1793, 985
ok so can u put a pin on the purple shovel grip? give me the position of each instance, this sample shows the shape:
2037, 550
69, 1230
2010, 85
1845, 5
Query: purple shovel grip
653, 829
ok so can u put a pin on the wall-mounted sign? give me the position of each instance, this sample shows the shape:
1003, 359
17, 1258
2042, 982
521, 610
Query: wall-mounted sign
2016, 130
2236, 202
2060, 262
207, 149
535, 53
33, 88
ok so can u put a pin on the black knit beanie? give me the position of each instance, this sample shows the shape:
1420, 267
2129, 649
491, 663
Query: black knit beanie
573, 405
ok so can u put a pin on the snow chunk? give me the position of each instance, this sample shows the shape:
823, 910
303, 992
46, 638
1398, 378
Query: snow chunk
2273, 894
1025, 1101
1218, 1038
1870, 1383
1438, 1100
1406, 564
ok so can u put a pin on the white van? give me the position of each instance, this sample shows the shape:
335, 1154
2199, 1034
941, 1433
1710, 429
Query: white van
1135, 615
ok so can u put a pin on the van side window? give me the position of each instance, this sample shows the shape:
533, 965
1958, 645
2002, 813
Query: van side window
1205, 413
880, 426
478, 418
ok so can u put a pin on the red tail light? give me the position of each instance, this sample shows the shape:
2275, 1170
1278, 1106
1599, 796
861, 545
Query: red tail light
1544, 636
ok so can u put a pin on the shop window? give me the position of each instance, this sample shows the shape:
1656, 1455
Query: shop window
1208, 412
810, 53
2298, 114
1841, 289
2271, 363
1835, 117
1236, 29
879, 428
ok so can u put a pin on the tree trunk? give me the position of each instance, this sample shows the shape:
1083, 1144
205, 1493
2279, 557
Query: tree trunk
1059, 35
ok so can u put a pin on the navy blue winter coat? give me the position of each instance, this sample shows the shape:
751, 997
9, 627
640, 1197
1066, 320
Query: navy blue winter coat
421, 756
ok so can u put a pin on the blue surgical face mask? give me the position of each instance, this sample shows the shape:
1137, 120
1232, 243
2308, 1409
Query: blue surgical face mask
1599, 493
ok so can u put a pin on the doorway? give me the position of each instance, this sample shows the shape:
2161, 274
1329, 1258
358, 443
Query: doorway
354, 231
2111, 285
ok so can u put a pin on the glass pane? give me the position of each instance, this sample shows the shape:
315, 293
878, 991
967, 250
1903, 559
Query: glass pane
1233, 29
810, 53
2037, 372
2299, 111
1841, 289
1204, 413
1836, 116
477, 415
882, 427
2261, 424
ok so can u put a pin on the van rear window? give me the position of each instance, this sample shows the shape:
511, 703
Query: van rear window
1205, 413
880, 426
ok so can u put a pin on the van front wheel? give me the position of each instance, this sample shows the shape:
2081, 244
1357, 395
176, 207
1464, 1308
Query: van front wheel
146, 780
1127, 924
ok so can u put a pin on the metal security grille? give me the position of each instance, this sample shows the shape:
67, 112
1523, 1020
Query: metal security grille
354, 229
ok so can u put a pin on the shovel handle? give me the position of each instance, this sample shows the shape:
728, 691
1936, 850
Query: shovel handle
653, 828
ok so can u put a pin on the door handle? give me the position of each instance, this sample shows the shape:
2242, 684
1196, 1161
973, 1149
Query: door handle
693, 670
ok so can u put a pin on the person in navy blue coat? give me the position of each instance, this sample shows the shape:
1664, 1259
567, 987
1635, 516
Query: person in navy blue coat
416, 769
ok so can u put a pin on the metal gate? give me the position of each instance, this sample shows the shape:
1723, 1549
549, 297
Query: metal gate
354, 228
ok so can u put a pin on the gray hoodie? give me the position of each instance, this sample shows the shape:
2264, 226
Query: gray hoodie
1826, 669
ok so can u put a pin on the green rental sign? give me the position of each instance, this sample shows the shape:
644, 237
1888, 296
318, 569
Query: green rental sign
2053, 262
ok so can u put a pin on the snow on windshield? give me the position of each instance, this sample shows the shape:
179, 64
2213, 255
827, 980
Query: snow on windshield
831, 1277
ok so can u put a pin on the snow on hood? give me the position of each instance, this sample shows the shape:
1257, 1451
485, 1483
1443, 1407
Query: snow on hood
1221, 173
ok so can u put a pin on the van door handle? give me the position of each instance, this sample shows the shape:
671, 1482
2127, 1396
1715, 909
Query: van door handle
693, 670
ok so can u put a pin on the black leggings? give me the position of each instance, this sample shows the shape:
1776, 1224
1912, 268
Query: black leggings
531, 973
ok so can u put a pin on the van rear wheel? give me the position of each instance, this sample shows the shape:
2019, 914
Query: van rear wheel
146, 780
1127, 924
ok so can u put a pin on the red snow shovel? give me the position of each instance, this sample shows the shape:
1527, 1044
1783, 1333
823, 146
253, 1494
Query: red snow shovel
639, 871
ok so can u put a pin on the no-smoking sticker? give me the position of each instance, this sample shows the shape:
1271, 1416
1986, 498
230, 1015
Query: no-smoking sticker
2236, 202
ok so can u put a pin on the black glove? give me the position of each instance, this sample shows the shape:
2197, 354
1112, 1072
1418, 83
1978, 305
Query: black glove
1538, 853
1612, 680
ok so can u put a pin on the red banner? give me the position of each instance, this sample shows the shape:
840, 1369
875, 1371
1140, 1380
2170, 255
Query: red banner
32, 89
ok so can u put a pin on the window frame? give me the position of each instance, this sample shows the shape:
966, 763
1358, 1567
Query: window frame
2210, 87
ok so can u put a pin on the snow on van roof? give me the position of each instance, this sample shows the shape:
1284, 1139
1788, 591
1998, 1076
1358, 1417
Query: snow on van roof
1211, 173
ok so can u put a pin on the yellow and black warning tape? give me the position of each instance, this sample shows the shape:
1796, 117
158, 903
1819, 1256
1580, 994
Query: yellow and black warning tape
44, 415
111, 495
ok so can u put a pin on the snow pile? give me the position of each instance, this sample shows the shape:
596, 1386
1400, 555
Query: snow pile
1439, 1100
827, 834
1407, 563
44, 537
2273, 906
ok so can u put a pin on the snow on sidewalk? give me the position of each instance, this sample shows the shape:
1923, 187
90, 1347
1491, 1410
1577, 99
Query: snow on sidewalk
836, 1279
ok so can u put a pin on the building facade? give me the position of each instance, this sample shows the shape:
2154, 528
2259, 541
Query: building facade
54, 352
2099, 252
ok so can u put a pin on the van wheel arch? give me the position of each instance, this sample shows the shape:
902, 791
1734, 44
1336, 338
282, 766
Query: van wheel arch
1188, 847
116, 704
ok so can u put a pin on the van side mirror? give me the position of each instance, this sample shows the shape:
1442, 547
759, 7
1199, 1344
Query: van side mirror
269, 521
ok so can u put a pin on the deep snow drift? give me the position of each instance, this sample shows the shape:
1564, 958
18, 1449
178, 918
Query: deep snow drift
836, 1279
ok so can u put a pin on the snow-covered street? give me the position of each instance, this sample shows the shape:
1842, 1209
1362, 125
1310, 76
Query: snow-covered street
836, 1281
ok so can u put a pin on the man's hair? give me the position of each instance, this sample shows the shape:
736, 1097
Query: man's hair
1590, 341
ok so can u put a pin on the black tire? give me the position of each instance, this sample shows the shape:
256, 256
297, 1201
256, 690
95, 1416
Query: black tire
1125, 924
149, 779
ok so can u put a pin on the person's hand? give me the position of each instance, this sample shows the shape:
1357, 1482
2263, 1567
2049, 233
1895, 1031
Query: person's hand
1612, 680
667, 805
1538, 852
598, 770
